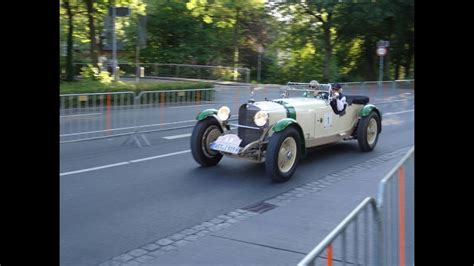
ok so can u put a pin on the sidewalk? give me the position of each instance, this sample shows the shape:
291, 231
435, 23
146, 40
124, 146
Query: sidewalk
283, 235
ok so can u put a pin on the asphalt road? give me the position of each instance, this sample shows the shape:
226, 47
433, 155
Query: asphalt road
115, 198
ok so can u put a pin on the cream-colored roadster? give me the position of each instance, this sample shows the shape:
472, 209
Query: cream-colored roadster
279, 131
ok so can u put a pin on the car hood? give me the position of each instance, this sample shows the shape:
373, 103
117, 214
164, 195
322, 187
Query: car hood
299, 103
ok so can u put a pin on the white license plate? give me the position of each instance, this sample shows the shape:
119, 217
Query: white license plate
225, 148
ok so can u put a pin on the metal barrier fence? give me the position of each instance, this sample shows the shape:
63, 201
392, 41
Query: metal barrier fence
395, 200
373, 89
364, 250
388, 237
379, 87
104, 115
181, 71
152, 116
95, 115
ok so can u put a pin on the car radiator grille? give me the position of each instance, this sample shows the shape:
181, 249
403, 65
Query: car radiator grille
246, 114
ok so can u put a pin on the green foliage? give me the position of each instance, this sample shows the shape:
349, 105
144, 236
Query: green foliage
175, 36
323, 40
90, 72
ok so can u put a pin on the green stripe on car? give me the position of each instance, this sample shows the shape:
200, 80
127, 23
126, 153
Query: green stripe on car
290, 110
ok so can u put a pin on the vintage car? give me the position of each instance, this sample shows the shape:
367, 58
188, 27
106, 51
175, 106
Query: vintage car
279, 131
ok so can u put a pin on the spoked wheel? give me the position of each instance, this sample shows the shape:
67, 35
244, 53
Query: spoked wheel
368, 132
283, 154
205, 132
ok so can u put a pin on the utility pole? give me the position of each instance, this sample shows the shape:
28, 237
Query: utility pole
122, 12
114, 43
381, 52
141, 43
260, 51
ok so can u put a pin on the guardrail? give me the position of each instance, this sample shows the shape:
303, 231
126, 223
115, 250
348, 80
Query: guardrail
95, 115
367, 88
395, 200
150, 111
391, 235
380, 86
91, 116
341, 230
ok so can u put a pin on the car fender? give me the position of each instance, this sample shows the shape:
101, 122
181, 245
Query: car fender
367, 109
212, 113
206, 113
282, 124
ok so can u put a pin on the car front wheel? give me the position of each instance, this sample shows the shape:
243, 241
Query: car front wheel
282, 154
368, 131
205, 132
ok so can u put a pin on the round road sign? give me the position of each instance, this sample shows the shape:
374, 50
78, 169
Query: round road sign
381, 51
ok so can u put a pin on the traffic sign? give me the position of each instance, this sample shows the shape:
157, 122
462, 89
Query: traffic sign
383, 43
381, 51
142, 31
120, 11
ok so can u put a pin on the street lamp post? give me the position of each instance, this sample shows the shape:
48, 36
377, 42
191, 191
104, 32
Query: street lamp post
260, 51
380, 68
381, 51
122, 12
114, 45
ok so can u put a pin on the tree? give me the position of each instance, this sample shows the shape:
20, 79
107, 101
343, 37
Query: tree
70, 10
317, 18
176, 36
370, 23
303, 40
239, 16
92, 34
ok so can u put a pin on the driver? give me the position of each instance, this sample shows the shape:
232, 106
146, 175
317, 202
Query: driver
314, 85
338, 102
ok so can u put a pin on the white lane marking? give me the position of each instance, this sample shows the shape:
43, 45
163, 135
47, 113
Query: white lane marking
123, 128
178, 136
123, 163
93, 168
67, 116
188, 106
401, 112
160, 156
394, 101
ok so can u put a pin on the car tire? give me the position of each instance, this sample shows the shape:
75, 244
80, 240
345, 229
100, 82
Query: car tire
368, 132
205, 132
285, 143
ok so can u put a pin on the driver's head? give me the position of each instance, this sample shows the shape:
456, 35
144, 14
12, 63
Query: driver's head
314, 85
336, 87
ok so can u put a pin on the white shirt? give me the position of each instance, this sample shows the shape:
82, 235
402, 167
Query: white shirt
340, 102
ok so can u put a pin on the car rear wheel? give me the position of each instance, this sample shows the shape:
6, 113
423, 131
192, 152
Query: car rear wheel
282, 155
205, 132
368, 131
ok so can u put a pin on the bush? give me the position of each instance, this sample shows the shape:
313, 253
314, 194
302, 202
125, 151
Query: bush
90, 72
224, 74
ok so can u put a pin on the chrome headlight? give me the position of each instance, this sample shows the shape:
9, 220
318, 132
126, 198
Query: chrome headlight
223, 113
260, 118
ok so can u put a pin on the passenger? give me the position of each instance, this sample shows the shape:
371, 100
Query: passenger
338, 102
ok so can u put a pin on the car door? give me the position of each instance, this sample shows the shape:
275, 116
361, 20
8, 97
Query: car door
346, 122
324, 124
